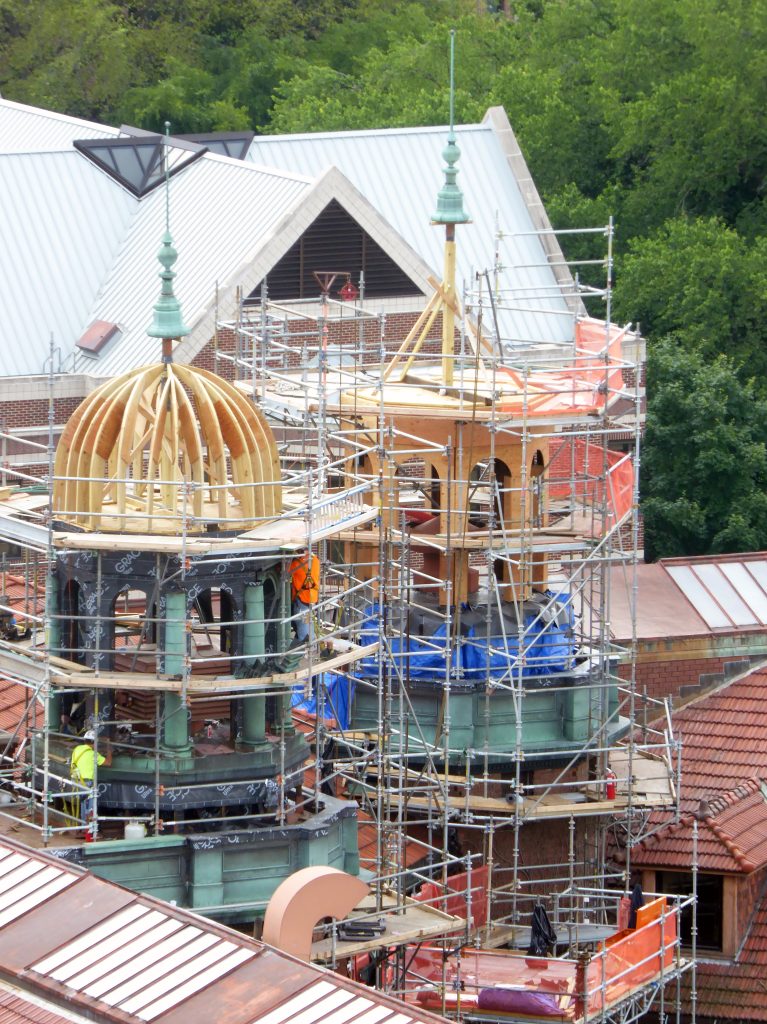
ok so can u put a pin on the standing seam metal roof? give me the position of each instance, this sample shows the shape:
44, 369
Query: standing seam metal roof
221, 210
70, 218
493, 198
112, 955
25, 129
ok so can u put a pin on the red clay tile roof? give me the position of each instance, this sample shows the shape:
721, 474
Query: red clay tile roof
14, 698
732, 836
15, 1008
737, 991
18, 592
724, 739
724, 755
367, 832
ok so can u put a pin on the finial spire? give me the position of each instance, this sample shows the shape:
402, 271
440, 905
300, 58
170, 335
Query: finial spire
450, 197
167, 323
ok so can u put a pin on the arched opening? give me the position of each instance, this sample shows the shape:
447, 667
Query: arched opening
134, 631
537, 467
272, 611
489, 497
502, 491
71, 639
212, 630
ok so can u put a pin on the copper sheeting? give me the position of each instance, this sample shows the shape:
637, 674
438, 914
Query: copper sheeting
101, 951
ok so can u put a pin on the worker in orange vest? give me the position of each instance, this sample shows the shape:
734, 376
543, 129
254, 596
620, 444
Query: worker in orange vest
305, 591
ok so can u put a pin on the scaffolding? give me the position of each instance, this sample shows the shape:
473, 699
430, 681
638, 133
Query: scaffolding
466, 501
323, 371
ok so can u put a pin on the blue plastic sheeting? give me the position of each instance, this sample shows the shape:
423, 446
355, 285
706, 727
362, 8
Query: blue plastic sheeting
339, 695
548, 649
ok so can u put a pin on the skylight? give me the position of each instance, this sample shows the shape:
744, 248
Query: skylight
137, 162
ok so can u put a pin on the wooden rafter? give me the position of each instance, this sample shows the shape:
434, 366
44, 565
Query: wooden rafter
162, 443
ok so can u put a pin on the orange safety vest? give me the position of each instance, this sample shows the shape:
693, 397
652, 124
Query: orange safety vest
305, 579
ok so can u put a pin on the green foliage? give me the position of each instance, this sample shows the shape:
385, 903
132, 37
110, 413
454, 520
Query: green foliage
404, 84
705, 459
705, 282
75, 55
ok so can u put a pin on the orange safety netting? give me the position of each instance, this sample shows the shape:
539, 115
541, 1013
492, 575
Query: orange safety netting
632, 958
454, 900
595, 375
489, 982
580, 469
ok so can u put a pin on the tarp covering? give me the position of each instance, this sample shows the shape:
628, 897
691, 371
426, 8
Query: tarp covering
337, 699
546, 645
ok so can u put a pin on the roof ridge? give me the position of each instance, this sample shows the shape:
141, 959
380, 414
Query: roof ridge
721, 801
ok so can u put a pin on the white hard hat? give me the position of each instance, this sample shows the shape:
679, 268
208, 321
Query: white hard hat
90, 735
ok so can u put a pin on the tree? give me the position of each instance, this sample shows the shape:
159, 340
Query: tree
404, 83
703, 281
75, 56
704, 473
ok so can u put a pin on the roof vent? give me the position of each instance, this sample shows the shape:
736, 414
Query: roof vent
96, 337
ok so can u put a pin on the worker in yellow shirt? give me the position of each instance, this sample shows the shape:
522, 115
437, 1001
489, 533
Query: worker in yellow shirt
83, 768
305, 592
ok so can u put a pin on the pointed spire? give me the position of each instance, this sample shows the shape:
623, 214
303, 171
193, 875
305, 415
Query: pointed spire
450, 197
167, 323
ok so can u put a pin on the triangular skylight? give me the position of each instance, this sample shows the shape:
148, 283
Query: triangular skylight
137, 162
234, 144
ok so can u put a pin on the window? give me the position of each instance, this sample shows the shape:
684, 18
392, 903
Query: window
710, 906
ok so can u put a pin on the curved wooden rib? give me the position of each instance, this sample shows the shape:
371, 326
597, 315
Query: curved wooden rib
169, 423
267, 446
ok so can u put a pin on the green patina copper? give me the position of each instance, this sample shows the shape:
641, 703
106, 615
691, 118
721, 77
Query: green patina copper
168, 322
450, 197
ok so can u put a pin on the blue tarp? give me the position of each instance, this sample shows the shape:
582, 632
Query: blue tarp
339, 694
548, 649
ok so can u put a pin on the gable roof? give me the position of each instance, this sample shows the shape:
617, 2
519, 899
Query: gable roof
724, 761
499, 194
724, 739
80, 247
94, 948
732, 835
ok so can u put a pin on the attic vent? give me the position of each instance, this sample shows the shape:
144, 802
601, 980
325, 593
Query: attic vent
136, 163
335, 239
97, 336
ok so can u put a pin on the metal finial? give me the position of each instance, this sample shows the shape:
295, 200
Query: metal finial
166, 168
452, 78
168, 323
450, 197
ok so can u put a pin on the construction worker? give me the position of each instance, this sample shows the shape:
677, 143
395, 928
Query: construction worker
305, 592
83, 769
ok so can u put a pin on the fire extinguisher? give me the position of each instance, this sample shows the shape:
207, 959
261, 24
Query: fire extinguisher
611, 784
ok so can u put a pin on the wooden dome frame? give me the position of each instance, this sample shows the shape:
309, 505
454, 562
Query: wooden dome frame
166, 446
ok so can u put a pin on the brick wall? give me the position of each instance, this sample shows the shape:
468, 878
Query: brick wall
362, 339
659, 678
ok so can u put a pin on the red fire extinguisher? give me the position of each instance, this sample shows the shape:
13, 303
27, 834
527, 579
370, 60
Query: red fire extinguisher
611, 784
